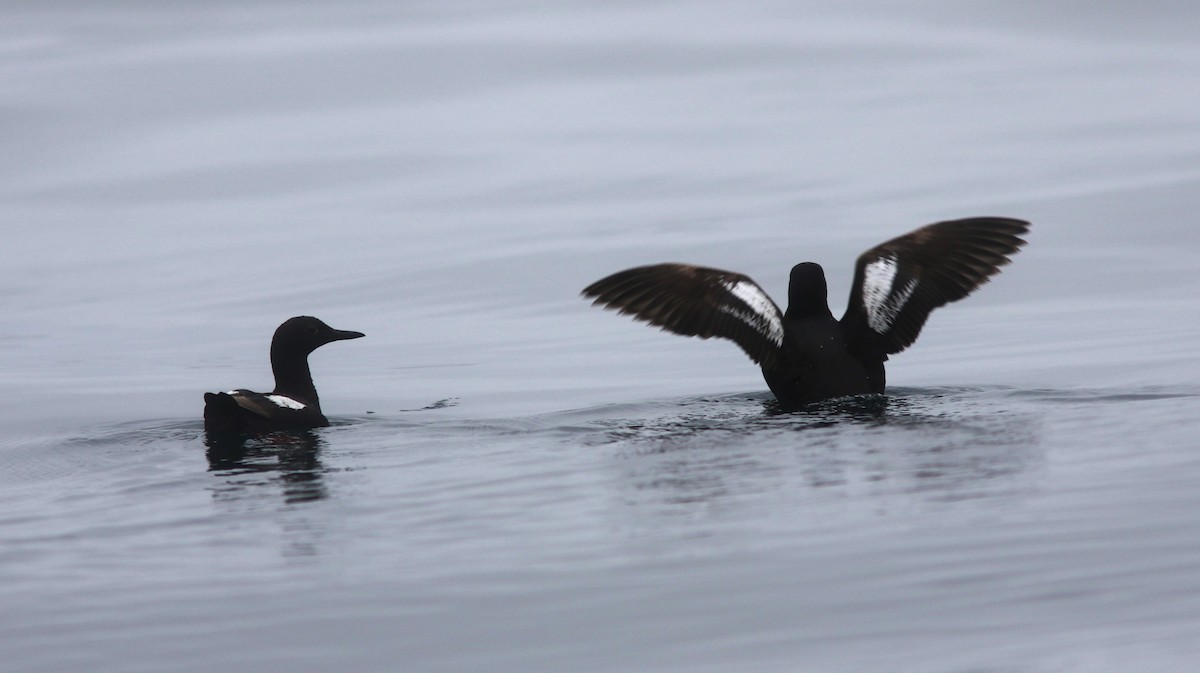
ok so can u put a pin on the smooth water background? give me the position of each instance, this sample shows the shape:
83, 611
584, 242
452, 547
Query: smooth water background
516, 481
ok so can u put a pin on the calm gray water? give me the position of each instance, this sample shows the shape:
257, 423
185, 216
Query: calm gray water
516, 481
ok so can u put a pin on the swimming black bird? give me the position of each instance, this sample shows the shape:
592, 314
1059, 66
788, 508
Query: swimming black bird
294, 403
806, 355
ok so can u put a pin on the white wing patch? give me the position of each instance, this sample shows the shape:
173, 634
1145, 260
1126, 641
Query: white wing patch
285, 402
882, 301
762, 314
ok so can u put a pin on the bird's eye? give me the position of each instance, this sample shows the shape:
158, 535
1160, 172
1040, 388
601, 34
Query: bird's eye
312, 330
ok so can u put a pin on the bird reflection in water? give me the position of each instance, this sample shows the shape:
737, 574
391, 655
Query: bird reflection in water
248, 463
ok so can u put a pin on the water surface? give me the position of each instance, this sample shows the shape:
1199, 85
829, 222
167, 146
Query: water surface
516, 481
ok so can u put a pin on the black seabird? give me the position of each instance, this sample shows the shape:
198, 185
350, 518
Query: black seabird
293, 404
806, 355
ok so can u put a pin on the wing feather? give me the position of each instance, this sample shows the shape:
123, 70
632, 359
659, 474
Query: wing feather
255, 403
697, 301
898, 283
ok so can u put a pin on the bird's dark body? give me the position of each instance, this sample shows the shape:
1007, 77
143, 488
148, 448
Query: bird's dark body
247, 411
816, 365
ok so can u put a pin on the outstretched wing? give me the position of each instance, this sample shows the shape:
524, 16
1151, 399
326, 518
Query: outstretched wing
898, 283
697, 301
